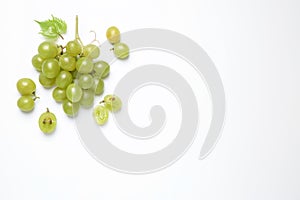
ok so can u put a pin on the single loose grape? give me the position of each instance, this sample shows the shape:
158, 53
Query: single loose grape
121, 50
85, 81
26, 103
73, 48
37, 62
113, 34
112, 102
48, 49
67, 62
26, 86
91, 51
46, 82
47, 122
100, 87
63, 79
71, 109
74, 93
84, 65
100, 114
101, 69
59, 95
50, 68
87, 99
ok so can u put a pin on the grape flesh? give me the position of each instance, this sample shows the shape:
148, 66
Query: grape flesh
50, 68
86, 81
26, 86
47, 122
113, 35
84, 65
121, 50
59, 95
25, 103
71, 109
67, 62
100, 114
74, 93
112, 102
48, 49
46, 82
101, 69
91, 51
37, 62
64, 79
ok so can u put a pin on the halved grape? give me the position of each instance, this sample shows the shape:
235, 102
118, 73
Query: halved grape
74, 93
47, 122
71, 109
73, 48
26, 86
26, 103
67, 62
59, 95
46, 82
91, 51
112, 102
86, 81
50, 68
37, 62
64, 79
113, 34
121, 50
84, 65
48, 49
101, 69
100, 114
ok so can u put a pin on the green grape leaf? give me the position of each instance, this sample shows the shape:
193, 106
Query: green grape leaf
52, 28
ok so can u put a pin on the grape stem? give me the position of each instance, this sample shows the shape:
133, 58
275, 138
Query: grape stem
77, 34
102, 102
95, 38
34, 96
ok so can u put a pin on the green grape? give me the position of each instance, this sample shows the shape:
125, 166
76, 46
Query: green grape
71, 109
73, 48
100, 114
37, 62
64, 79
47, 122
48, 49
26, 86
121, 50
59, 95
84, 65
100, 87
46, 82
26, 103
112, 102
74, 93
67, 62
101, 69
74, 74
87, 99
85, 81
91, 51
50, 68
113, 34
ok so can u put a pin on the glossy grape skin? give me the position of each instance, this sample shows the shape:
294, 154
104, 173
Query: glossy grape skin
59, 95
87, 99
26, 103
37, 62
48, 49
71, 109
84, 65
63, 79
46, 82
86, 81
100, 114
112, 103
121, 50
67, 62
101, 69
113, 35
74, 93
50, 68
73, 48
26, 86
99, 87
91, 51
47, 122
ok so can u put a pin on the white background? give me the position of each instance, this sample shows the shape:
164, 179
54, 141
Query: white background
255, 46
